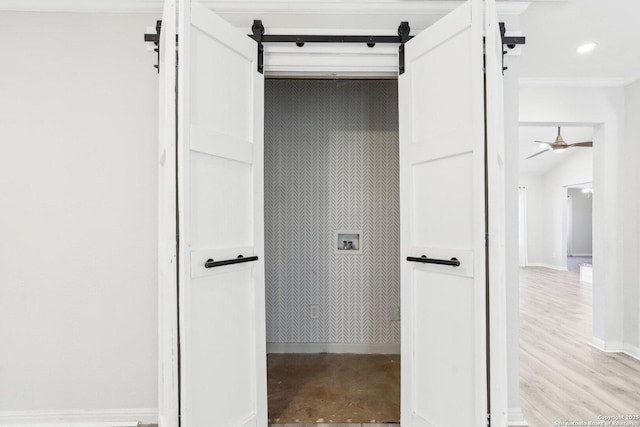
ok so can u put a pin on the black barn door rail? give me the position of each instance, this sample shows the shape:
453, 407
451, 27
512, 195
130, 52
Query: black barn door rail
211, 263
453, 262
403, 36
300, 39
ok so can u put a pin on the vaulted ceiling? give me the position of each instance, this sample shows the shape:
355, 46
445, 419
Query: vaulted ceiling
543, 163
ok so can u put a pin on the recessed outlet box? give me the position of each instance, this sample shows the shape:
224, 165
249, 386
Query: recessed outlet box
314, 311
348, 242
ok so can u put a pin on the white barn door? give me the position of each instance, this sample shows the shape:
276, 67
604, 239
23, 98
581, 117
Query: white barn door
496, 218
167, 251
220, 200
442, 220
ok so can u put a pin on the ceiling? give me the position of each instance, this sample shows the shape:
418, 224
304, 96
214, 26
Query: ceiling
554, 29
541, 164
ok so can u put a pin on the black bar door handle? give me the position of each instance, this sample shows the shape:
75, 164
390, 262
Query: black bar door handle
453, 262
211, 263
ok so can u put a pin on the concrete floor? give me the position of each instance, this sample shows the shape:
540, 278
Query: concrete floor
312, 425
333, 388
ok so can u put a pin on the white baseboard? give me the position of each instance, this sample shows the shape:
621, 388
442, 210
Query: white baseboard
73, 424
553, 267
516, 418
607, 346
632, 351
581, 255
313, 347
615, 347
80, 418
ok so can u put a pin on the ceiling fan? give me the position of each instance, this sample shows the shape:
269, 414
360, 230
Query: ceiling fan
560, 145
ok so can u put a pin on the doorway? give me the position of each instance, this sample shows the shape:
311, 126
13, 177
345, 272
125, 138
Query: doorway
556, 306
579, 230
332, 250
545, 176
446, 156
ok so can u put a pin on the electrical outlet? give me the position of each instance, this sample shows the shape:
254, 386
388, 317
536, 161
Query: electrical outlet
314, 311
394, 313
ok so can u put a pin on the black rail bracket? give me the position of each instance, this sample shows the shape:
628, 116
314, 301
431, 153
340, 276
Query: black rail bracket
155, 39
508, 43
258, 33
403, 32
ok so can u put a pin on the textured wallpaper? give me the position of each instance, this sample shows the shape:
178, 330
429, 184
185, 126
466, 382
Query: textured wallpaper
331, 163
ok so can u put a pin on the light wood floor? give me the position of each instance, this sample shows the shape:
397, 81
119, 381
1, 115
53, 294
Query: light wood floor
563, 378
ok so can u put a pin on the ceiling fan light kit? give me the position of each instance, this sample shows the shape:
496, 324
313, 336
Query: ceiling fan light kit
559, 145
586, 47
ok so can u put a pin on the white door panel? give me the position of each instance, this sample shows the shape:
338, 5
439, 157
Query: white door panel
223, 345
447, 181
448, 375
167, 251
496, 198
441, 100
221, 191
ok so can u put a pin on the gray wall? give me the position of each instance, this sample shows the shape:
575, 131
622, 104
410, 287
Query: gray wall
78, 185
581, 222
331, 162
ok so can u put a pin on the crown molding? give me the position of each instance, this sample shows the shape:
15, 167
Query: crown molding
632, 80
512, 8
82, 6
328, 7
571, 82
334, 7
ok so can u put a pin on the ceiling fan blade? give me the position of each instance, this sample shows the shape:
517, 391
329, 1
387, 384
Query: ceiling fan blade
544, 142
538, 153
582, 144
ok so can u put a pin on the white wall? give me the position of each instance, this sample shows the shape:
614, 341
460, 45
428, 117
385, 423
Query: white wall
78, 309
580, 241
535, 221
603, 108
511, 111
547, 207
631, 208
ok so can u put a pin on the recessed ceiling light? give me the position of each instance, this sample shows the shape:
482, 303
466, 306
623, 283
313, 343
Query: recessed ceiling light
586, 48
